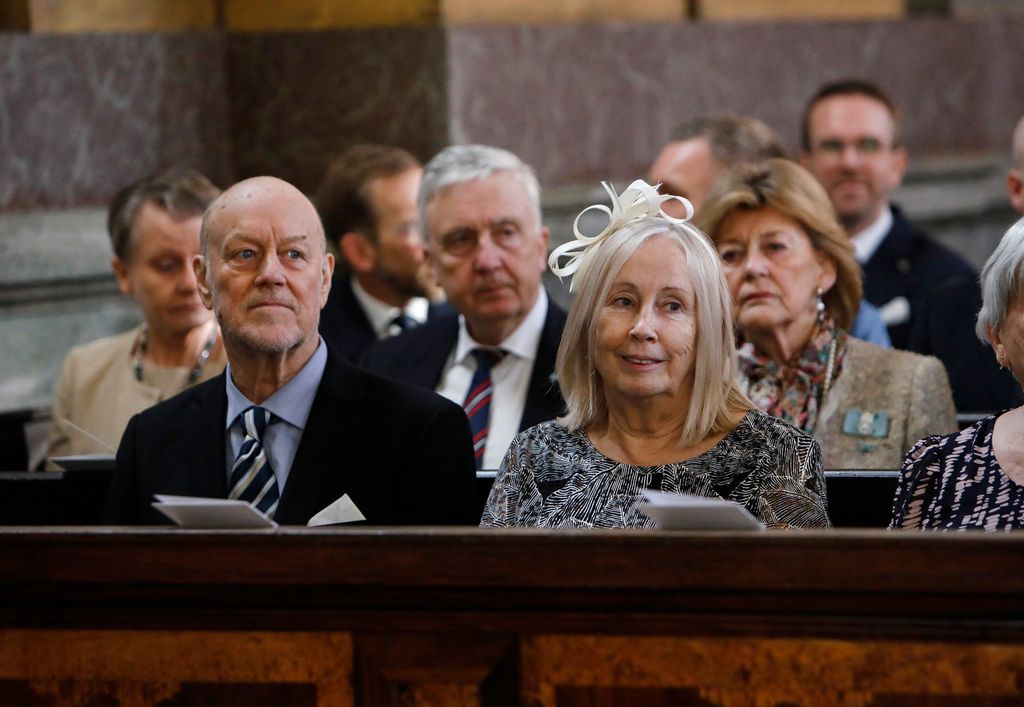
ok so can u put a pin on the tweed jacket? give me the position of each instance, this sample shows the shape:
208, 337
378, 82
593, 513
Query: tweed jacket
97, 390
913, 392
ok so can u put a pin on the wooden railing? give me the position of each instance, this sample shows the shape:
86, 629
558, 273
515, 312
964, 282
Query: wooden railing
442, 616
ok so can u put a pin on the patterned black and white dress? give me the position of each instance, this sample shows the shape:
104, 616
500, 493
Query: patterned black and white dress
954, 482
554, 478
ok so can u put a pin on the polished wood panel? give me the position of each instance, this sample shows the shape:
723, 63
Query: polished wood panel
94, 667
444, 616
799, 9
118, 15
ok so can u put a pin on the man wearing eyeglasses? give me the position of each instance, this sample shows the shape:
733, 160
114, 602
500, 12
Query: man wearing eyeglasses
928, 295
480, 208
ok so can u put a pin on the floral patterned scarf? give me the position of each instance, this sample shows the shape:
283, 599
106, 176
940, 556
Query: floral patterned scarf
793, 392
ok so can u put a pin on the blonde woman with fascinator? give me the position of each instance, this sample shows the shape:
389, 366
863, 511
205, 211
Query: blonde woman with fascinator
646, 366
974, 478
796, 288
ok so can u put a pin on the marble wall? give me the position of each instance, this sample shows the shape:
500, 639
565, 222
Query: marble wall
80, 115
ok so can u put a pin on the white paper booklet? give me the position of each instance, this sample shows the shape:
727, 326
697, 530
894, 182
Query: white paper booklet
677, 511
196, 512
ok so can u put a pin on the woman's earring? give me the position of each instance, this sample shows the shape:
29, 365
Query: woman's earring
821, 307
1001, 356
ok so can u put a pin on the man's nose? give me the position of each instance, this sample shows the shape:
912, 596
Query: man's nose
271, 270
488, 254
850, 155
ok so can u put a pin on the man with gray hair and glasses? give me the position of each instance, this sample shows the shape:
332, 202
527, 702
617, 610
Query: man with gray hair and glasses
495, 354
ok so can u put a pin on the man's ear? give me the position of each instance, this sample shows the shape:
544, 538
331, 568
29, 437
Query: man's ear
124, 283
545, 238
327, 273
357, 250
898, 166
1015, 188
202, 272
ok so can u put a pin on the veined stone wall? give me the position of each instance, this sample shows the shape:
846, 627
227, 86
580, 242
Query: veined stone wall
80, 115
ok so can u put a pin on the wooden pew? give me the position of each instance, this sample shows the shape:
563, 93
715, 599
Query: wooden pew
443, 616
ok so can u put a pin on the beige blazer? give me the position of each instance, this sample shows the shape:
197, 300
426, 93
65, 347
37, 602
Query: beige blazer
911, 389
97, 390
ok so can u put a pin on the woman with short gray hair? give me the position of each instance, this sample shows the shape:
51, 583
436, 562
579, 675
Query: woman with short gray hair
647, 368
975, 478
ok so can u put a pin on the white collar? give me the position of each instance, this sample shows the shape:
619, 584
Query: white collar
381, 314
867, 241
523, 340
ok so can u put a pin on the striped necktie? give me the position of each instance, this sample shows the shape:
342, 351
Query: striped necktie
252, 479
478, 401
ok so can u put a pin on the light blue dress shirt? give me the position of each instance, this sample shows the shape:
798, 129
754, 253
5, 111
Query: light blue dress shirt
290, 404
869, 326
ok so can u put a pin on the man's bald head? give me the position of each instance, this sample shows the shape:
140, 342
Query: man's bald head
264, 270
261, 193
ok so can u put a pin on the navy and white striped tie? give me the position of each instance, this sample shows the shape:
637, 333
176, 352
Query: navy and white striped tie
252, 479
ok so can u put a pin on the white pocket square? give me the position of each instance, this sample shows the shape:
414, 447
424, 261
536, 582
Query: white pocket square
341, 511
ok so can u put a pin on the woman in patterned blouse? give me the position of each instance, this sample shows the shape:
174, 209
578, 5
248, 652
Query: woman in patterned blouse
975, 478
646, 366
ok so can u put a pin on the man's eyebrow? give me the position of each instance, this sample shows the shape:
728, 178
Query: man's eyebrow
458, 231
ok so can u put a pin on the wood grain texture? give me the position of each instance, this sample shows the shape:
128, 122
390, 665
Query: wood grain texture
181, 667
578, 670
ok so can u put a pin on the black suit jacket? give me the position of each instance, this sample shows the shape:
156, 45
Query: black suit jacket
403, 455
944, 298
344, 324
910, 264
418, 357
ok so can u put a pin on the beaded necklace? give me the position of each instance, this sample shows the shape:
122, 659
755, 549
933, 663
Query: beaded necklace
197, 369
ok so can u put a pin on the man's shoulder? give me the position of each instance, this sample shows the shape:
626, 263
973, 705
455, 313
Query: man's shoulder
426, 337
181, 407
926, 253
399, 399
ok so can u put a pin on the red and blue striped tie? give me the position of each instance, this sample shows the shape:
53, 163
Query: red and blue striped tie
478, 401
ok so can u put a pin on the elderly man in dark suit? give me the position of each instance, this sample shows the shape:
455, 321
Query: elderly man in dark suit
367, 203
290, 426
481, 211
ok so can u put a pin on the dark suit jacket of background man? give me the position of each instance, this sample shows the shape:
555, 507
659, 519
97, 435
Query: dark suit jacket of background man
419, 356
944, 298
403, 456
344, 324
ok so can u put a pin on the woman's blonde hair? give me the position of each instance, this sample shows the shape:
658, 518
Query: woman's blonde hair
791, 190
715, 393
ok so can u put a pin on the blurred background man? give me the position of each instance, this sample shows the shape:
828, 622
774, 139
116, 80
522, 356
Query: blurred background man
927, 294
367, 202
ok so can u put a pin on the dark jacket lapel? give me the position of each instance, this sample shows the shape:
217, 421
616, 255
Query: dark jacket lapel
544, 398
203, 429
334, 425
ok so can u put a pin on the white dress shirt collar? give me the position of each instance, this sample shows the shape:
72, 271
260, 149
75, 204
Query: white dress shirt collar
867, 241
523, 340
381, 314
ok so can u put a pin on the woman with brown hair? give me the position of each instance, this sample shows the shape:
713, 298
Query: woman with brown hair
796, 288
